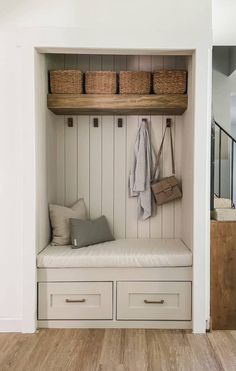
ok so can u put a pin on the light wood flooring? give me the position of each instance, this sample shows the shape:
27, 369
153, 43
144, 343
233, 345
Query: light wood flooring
118, 350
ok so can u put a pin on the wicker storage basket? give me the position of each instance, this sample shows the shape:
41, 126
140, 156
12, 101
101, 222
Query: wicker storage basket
100, 82
66, 82
135, 82
170, 82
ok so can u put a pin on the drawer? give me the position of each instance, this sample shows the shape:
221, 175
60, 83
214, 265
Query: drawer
75, 300
154, 301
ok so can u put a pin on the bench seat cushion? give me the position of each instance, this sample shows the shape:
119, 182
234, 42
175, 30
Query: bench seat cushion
118, 253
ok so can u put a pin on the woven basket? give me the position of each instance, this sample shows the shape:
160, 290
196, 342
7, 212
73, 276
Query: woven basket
135, 82
170, 82
100, 82
66, 82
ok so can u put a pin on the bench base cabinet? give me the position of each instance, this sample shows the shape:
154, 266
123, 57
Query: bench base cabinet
121, 304
154, 301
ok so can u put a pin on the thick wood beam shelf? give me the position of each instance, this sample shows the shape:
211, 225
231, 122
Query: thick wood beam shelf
117, 104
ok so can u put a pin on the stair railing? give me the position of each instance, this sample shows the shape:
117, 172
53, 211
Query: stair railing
232, 141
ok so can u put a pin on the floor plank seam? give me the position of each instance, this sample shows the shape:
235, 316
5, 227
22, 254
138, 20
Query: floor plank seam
217, 358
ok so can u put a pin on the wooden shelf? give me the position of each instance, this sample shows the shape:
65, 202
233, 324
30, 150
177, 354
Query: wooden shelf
117, 104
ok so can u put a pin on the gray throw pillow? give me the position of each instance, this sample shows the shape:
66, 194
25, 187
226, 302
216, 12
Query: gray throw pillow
89, 232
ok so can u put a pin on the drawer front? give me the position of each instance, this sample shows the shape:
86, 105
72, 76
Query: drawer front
154, 301
75, 300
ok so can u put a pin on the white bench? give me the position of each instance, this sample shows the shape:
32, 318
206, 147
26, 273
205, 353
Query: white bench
124, 283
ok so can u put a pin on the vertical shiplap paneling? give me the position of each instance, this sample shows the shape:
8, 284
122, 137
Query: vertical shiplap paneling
108, 168
145, 64
157, 62
83, 62
168, 215
95, 62
132, 63
131, 202
180, 62
83, 159
120, 179
120, 63
107, 62
60, 160
156, 136
144, 225
95, 187
178, 169
167, 209
71, 158
55, 61
94, 163
95, 168
71, 147
70, 61
169, 62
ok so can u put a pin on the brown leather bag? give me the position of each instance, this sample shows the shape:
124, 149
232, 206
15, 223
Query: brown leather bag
166, 189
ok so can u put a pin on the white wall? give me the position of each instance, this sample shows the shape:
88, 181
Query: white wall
223, 17
145, 25
223, 86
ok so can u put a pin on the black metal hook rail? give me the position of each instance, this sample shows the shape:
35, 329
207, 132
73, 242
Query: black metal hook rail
213, 152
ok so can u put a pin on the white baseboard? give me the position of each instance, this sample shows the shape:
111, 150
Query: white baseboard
10, 325
115, 324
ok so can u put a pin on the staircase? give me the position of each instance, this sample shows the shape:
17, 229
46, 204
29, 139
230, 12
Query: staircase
223, 236
223, 194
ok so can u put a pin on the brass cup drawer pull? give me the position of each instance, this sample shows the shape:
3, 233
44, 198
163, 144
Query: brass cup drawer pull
75, 301
154, 301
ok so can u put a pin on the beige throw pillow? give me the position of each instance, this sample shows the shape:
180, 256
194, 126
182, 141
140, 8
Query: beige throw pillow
60, 221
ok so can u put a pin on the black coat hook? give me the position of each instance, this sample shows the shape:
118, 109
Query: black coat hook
168, 122
70, 122
120, 122
95, 122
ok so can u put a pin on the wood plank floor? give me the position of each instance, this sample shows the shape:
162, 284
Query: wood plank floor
118, 350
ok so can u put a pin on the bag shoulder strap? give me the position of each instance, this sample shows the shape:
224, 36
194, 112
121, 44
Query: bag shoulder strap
161, 149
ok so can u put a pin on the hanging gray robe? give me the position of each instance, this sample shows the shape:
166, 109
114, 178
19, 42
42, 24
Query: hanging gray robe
142, 172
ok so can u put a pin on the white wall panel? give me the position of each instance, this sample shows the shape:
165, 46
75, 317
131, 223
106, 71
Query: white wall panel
144, 225
132, 63
84, 159
95, 176
156, 136
60, 164
71, 158
120, 179
83, 62
70, 61
120, 63
95, 63
131, 202
107, 62
178, 133
168, 211
107, 167
157, 62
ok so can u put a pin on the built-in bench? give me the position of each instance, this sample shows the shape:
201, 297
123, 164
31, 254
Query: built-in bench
122, 283
119, 253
